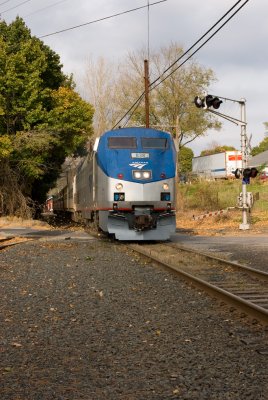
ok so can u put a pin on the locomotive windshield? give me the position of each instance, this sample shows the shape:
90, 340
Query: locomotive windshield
154, 143
122, 142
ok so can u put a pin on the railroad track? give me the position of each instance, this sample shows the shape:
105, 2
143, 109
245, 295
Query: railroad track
12, 241
243, 287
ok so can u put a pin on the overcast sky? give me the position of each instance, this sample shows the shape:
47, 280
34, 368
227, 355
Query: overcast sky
238, 54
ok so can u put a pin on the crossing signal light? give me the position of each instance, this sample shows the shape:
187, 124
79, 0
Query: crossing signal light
250, 172
237, 173
212, 101
247, 174
199, 102
207, 102
254, 172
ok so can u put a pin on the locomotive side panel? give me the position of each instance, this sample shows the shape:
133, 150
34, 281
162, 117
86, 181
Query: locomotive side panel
83, 193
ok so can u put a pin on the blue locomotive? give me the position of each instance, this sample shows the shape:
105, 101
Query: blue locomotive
126, 185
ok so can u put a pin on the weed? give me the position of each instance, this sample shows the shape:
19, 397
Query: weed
217, 195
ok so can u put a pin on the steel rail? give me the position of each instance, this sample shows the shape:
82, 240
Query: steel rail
9, 244
253, 271
253, 310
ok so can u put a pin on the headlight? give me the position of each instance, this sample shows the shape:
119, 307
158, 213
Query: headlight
146, 175
137, 174
142, 174
119, 186
165, 186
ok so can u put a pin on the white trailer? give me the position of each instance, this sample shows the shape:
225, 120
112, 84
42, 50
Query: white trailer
217, 166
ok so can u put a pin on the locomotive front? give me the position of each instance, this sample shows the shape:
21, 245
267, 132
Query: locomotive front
136, 184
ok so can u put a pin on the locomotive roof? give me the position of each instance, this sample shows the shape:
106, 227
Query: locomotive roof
136, 131
150, 149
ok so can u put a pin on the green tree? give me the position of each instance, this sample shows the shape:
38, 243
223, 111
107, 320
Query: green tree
42, 118
173, 98
185, 157
171, 103
263, 145
216, 149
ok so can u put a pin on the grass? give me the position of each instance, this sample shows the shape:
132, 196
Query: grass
217, 195
14, 222
200, 197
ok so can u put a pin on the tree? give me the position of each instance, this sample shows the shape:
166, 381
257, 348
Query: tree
171, 103
70, 119
185, 157
263, 145
216, 149
99, 83
173, 98
42, 118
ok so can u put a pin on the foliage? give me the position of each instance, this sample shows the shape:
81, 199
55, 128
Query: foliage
12, 199
171, 103
70, 117
216, 149
185, 157
5, 147
42, 118
99, 82
263, 145
172, 100
31, 149
216, 195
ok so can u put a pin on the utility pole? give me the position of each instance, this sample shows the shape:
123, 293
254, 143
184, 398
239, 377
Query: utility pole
177, 137
244, 225
146, 82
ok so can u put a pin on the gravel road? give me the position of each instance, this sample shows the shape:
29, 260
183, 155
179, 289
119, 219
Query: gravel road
90, 320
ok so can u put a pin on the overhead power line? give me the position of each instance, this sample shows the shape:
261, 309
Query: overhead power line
12, 8
200, 47
4, 2
138, 101
101, 19
45, 8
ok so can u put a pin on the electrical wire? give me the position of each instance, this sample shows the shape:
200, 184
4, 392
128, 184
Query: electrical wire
4, 2
44, 8
200, 47
12, 8
100, 19
199, 40
138, 101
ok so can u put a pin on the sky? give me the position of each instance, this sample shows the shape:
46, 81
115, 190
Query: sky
238, 54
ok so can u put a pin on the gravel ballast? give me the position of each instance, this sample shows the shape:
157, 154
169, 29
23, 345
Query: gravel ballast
91, 320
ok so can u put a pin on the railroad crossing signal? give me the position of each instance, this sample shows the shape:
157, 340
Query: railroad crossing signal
200, 103
212, 101
207, 102
247, 174
249, 200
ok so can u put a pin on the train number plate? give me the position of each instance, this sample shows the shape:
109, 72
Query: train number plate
139, 155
